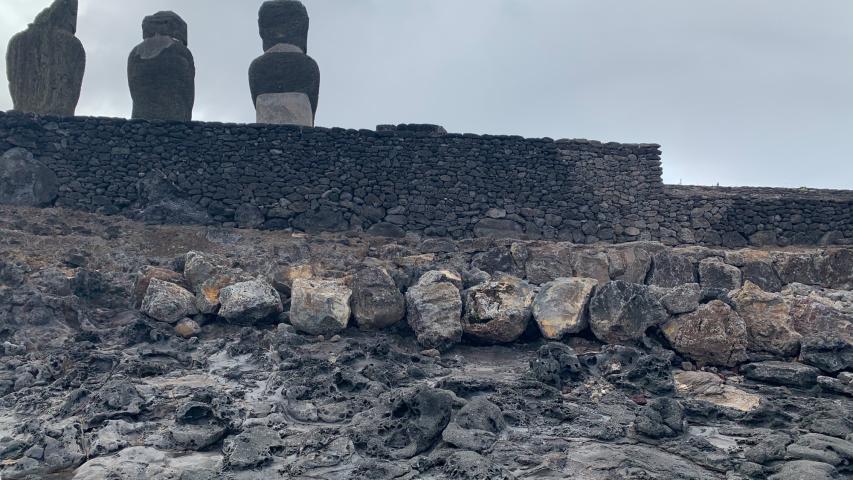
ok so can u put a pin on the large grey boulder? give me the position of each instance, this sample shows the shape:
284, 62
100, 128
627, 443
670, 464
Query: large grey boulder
670, 269
284, 68
560, 307
376, 301
249, 301
167, 302
621, 312
713, 335
498, 311
161, 70
434, 310
714, 273
45, 63
320, 307
768, 321
25, 181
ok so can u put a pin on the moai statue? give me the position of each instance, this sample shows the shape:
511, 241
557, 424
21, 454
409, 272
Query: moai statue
285, 82
161, 70
45, 62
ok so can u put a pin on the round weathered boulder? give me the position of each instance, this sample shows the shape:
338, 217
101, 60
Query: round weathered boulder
498, 311
434, 309
560, 307
713, 335
25, 181
376, 301
45, 63
320, 307
249, 301
167, 302
161, 71
621, 312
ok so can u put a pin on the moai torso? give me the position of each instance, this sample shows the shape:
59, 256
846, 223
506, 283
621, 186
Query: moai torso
45, 63
161, 70
285, 82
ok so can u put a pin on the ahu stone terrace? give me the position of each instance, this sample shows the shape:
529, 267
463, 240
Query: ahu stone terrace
395, 180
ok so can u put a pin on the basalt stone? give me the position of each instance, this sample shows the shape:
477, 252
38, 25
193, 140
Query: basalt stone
714, 273
560, 307
827, 352
161, 71
671, 269
782, 373
498, 311
376, 301
25, 181
713, 335
45, 63
768, 321
434, 309
621, 312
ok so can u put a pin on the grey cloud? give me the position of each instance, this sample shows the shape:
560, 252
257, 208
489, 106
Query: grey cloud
755, 92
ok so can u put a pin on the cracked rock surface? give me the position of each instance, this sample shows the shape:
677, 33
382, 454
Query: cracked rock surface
131, 351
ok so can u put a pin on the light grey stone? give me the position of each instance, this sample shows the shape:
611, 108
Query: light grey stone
292, 108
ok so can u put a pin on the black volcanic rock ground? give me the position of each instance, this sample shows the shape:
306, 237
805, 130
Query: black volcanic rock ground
90, 388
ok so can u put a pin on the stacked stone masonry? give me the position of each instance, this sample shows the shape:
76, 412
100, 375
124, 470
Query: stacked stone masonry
407, 178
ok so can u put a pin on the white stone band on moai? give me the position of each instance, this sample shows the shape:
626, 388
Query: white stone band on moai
291, 108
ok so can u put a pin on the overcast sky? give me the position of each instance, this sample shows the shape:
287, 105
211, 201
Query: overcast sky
738, 92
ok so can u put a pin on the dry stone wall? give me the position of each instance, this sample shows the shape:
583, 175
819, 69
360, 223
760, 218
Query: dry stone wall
406, 178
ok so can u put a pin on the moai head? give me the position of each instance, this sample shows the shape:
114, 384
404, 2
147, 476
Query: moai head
283, 21
168, 24
61, 15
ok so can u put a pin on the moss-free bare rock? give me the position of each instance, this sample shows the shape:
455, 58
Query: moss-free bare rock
249, 301
712, 335
498, 311
320, 307
560, 307
434, 310
621, 312
26, 182
167, 302
376, 301
768, 321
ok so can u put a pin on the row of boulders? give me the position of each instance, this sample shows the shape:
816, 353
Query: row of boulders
711, 326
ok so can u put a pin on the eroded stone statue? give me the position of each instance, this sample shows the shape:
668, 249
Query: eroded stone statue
45, 62
285, 81
161, 70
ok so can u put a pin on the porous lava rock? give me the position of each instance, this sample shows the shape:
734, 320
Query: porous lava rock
161, 70
45, 62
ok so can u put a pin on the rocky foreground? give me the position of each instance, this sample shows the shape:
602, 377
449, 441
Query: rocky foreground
153, 352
